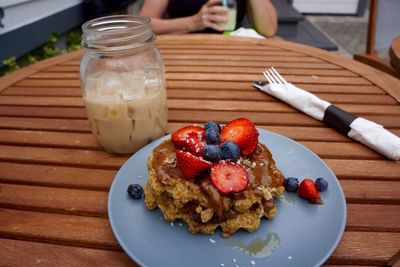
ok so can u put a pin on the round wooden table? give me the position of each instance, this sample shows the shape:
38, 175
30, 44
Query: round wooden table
55, 179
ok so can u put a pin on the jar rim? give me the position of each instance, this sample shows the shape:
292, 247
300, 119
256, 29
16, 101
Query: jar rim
117, 33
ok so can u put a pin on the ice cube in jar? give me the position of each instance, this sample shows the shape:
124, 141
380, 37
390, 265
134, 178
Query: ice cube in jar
133, 85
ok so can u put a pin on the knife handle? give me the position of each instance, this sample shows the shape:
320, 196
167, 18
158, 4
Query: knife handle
338, 119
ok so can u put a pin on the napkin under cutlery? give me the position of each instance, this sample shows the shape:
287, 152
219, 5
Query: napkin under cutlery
364, 131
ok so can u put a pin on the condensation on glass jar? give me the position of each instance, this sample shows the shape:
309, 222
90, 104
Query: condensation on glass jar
123, 83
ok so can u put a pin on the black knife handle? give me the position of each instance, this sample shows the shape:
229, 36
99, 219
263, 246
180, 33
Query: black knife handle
338, 119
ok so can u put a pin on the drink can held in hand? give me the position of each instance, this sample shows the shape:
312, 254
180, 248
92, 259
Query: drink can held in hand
231, 5
123, 83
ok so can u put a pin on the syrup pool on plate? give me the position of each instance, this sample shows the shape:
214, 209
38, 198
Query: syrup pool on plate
257, 247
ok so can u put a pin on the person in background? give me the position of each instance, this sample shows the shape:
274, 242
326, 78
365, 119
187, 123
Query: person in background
186, 16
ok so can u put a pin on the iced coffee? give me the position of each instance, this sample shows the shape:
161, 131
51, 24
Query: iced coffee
126, 110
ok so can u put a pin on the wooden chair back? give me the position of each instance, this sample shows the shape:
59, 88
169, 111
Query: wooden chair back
383, 28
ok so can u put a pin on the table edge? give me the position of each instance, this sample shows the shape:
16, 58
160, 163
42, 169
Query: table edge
9, 79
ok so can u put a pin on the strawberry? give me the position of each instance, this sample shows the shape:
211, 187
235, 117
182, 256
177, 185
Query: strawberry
228, 177
179, 136
190, 165
309, 191
195, 143
243, 132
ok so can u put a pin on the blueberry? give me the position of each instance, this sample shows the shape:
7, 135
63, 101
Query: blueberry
135, 191
212, 137
291, 184
230, 150
212, 153
212, 125
321, 184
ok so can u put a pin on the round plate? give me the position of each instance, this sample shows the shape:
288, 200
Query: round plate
301, 234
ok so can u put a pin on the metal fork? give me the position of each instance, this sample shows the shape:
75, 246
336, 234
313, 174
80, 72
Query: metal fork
274, 77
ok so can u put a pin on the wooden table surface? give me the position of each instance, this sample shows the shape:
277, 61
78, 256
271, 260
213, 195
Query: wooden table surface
54, 179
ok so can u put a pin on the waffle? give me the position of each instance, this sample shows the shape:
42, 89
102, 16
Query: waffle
200, 205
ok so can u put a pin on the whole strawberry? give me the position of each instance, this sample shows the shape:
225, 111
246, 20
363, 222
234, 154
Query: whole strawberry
309, 191
242, 132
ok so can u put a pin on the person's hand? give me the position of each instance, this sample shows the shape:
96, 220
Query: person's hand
211, 15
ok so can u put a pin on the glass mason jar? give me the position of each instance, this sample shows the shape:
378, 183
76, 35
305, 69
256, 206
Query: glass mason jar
123, 83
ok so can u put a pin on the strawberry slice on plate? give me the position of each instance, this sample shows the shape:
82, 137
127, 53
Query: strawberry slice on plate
228, 177
308, 190
179, 137
243, 132
191, 165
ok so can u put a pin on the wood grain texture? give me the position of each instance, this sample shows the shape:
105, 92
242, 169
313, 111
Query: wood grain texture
73, 71
42, 91
35, 253
48, 139
227, 94
246, 86
377, 192
44, 112
378, 218
47, 150
54, 200
365, 169
354, 247
61, 156
56, 176
57, 229
27, 123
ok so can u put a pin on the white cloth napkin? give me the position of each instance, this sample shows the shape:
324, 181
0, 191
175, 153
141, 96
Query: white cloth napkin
245, 32
364, 131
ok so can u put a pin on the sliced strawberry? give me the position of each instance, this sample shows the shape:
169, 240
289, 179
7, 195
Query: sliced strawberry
179, 136
309, 191
229, 177
195, 143
243, 132
190, 165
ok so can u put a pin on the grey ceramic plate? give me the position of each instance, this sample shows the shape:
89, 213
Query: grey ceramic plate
300, 235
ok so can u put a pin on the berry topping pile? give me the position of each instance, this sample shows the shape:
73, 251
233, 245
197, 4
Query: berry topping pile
308, 189
214, 150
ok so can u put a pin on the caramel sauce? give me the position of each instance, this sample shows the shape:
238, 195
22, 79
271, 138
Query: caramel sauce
260, 167
164, 162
